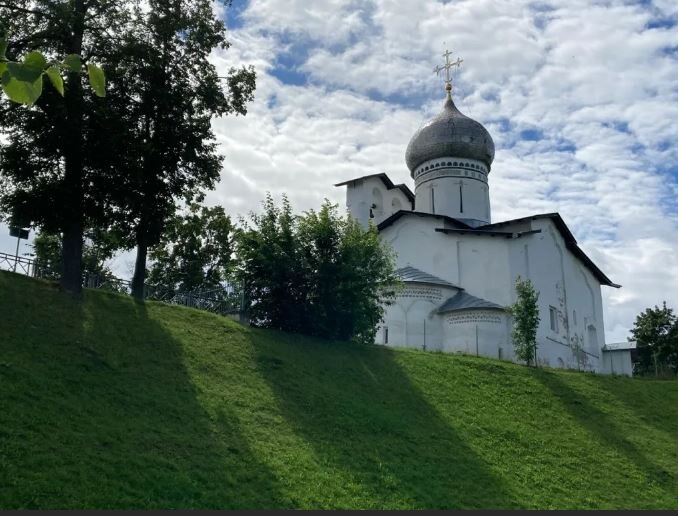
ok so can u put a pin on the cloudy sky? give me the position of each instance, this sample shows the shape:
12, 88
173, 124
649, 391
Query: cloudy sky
581, 99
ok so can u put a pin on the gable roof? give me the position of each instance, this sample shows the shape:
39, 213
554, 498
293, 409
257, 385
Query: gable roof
387, 182
462, 300
570, 242
414, 275
404, 213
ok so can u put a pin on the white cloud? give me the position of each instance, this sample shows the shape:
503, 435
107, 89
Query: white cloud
590, 78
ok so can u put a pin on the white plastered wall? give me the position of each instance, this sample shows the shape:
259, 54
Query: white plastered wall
567, 286
411, 321
362, 194
487, 267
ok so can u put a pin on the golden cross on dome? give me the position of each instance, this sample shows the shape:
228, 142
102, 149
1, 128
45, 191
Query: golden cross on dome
447, 67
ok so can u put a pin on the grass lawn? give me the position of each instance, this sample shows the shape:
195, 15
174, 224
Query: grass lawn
113, 404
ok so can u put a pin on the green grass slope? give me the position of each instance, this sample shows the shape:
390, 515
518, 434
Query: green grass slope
114, 404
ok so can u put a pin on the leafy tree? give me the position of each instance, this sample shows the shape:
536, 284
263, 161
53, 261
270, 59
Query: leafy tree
656, 332
50, 157
525, 312
319, 273
98, 249
272, 269
194, 252
351, 275
168, 91
47, 255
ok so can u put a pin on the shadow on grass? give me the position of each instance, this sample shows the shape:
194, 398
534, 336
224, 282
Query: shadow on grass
604, 429
101, 412
646, 399
361, 414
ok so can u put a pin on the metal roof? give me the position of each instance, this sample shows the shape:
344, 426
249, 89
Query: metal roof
570, 242
492, 230
620, 346
464, 301
411, 274
451, 133
402, 213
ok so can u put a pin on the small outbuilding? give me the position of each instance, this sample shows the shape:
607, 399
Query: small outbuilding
617, 358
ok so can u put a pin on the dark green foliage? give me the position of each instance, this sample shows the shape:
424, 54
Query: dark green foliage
351, 275
194, 252
318, 274
525, 314
123, 162
98, 248
167, 91
656, 333
272, 270
55, 163
111, 404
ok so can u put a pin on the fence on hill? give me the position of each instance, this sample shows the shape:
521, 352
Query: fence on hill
228, 299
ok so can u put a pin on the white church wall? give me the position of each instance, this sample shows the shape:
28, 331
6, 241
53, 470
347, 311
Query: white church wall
362, 194
477, 332
487, 267
484, 267
459, 198
411, 321
416, 243
570, 333
457, 190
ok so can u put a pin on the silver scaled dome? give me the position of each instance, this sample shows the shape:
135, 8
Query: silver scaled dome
450, 134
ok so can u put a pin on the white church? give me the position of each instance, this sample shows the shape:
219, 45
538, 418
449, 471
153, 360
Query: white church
459, 267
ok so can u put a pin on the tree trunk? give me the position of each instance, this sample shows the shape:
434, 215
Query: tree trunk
71, 253
71, 280
139, 278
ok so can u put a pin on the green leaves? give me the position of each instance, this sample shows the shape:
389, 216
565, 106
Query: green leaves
35, 60
97, 80
56, 79
72, 63
22, 83
525, 313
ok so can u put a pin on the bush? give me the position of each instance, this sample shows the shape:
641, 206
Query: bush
318, 274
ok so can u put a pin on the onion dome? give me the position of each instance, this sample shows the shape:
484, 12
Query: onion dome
450, 134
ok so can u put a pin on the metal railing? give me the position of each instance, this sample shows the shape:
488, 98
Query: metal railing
225, 300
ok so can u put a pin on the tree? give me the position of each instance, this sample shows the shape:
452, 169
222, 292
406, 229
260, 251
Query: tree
168, 91
351, 275
318, 274
98, 249
525, 312
194, 253
49, 162
271, 268
656, 333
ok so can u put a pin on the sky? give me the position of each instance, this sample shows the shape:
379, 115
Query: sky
580, 97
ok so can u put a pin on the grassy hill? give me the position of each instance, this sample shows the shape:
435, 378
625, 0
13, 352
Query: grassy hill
114, 404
